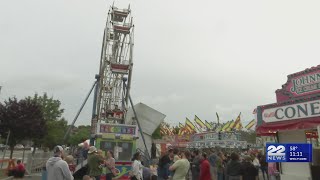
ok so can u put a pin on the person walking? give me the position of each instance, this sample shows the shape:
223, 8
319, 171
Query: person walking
181, 166
248, 169
273, 171
213, 165
85, 149
264, 167
195, 169
110, 164
56, 167
175, 158
255, 161
163, 166
204, 168
234, 167
94, 162
220, 163
137, 167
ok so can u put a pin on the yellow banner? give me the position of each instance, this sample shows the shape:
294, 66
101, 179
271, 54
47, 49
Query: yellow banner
108, 136
126, 137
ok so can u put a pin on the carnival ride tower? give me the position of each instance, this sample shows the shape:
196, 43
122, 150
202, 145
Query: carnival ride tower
111, 101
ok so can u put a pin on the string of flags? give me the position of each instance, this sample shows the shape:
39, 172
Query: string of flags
198, 126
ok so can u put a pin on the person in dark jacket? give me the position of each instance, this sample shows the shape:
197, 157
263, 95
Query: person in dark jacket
163, 166
213, 158
248, 170
263, 166
195, 169
234, 167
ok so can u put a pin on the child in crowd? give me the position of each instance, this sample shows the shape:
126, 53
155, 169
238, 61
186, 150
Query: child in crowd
69, 160
20, 170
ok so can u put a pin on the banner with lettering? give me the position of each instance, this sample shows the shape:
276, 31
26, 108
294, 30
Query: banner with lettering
290, 112
118, 129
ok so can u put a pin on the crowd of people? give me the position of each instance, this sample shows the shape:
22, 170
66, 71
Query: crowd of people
18, 170
175, 164
215, 165
60, 167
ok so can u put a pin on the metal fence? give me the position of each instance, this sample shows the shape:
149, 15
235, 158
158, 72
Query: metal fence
36, 162
36, 165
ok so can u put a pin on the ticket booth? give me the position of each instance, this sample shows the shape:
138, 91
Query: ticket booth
121, 139
295, 118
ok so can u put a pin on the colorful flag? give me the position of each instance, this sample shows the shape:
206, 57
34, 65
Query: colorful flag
219, 127
218, 119
186, 130
226, 126
173, 131
250, 124
238, 126
208, 125
166, 130
162, 132
181, 131
181, 125
197, 129
199, 122
189, 123
231, 126
236, 122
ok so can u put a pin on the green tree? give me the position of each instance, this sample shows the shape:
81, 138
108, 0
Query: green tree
249, 136
21, 120
156, 134
56, 125
80, 133
50, 107
56, 130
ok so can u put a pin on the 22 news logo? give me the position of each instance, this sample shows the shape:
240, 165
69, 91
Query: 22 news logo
276, 153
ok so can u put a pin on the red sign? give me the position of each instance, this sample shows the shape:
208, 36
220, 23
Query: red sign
303, 83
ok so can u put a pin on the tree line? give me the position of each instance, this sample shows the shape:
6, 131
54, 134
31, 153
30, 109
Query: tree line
37, 118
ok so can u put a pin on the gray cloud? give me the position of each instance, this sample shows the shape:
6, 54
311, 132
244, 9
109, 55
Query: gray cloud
189, 57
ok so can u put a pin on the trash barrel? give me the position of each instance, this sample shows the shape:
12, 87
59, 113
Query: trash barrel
44, 174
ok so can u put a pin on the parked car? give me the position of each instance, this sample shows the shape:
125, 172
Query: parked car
31, 149
19, 146
2, 147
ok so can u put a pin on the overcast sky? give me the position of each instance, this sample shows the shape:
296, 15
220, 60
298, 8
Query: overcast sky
190, 57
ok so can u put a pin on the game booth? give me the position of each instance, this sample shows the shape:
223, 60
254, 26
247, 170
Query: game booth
175, 141
121, 139
228, 140
295, 118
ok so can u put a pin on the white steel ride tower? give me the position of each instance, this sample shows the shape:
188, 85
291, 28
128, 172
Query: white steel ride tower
115, 65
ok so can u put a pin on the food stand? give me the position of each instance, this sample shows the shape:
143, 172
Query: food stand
294, 118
